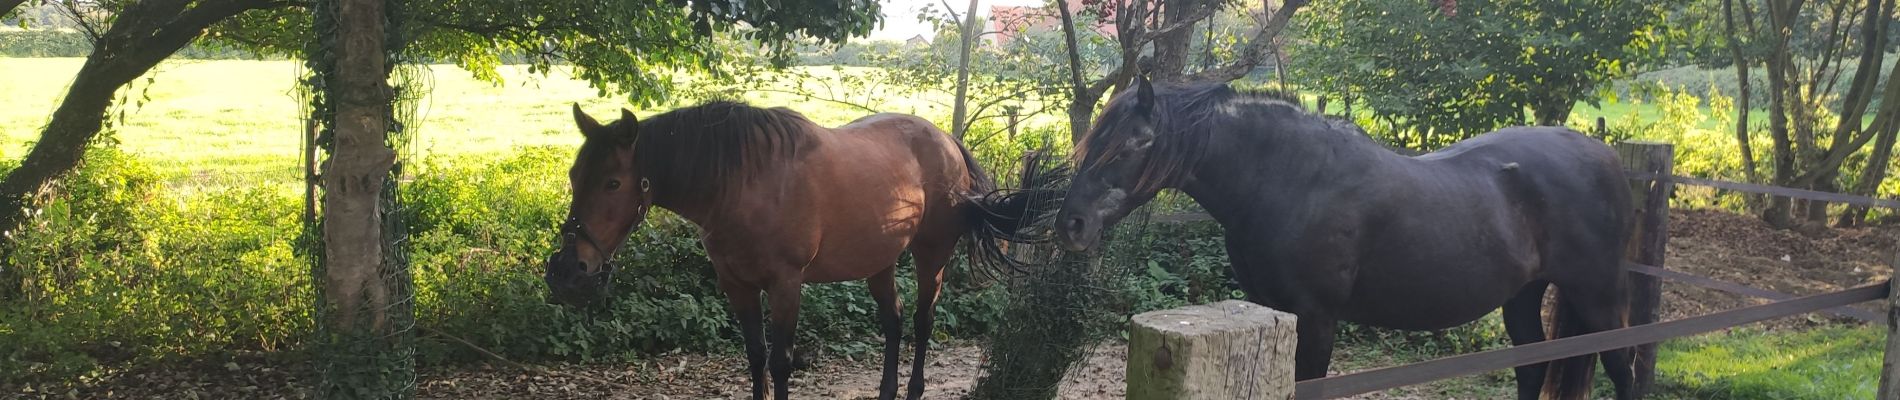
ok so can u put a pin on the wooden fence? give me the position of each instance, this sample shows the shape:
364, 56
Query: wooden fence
1652, 183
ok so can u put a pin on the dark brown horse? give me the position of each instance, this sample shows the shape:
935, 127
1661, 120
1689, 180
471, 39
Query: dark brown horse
1324, 223
781, 202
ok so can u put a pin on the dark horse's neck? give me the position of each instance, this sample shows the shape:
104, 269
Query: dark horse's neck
1269, 156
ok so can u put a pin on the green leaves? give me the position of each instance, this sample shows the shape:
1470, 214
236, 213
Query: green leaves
1434, 79
631, 48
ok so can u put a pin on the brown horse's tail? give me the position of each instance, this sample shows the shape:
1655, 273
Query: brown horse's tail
1569, 378
1012, 215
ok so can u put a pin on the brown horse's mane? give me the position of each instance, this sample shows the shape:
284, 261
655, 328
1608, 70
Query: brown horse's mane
716, 145
1180, 122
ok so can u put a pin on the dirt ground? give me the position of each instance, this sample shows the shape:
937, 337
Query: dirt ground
1721, 245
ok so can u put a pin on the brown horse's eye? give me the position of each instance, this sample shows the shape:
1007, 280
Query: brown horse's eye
613, 184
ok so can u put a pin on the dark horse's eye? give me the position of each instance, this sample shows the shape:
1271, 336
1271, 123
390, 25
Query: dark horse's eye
613, 184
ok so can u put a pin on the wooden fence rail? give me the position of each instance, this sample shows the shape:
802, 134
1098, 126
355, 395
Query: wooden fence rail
1455, 366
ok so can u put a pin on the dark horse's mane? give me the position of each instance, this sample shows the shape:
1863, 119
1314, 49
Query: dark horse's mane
717, 143
1181, 123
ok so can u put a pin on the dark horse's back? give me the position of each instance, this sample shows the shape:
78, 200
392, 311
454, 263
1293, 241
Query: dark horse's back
1515, 206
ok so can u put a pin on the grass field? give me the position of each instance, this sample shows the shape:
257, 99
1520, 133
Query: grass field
239, 120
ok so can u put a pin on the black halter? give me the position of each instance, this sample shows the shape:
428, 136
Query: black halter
574, 228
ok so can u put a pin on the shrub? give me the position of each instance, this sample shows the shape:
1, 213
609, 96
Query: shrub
113, 269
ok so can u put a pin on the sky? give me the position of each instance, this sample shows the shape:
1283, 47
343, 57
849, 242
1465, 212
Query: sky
900, 16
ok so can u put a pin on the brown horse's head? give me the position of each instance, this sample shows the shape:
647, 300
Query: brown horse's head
1122, 163
610, 200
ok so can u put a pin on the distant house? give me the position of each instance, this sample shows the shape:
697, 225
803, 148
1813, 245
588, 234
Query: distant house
917, 41
1011, 22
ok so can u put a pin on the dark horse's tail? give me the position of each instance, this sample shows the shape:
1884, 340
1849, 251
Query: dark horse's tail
1569, 378
1012, 215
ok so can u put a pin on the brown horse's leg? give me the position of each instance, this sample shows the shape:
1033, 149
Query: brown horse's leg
891, 319
784, 297
745, 308
930, 262
1314, 353
1523, 319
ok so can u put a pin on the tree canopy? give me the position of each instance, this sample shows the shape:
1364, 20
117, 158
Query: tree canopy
635, 48
1474, 66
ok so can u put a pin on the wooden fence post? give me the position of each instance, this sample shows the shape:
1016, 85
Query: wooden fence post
1650, 239
1890, 366
1231, 350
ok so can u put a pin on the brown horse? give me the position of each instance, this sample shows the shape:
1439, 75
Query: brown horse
781, 202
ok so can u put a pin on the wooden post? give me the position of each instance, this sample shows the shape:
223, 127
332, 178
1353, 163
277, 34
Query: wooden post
1650, 198
1603, 129
1014, 118
1231, 350
1890, 366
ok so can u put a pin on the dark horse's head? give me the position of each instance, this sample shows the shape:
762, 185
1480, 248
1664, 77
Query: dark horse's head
610, 200
1123, 161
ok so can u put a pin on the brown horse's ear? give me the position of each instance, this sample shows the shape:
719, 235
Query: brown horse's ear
587, 124
633, 126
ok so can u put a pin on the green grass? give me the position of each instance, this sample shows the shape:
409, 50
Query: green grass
1840, 362
237, 121
1835, 362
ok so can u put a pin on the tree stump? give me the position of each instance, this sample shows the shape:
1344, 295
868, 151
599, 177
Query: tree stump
1231, 350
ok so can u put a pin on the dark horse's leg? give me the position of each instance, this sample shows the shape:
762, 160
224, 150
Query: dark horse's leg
1523, 319
1315, 350
745, 308
785, 297
891, 319
930, 262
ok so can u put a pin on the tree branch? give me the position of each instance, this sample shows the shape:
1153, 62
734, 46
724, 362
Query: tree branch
1184, 23
1256, 50
7, 6
828, 99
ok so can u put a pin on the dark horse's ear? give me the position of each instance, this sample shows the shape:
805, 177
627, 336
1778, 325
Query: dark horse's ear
587, 124
633, 126
1144, 92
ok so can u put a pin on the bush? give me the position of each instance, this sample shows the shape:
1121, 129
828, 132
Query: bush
113, 269
1706, 82
119, 268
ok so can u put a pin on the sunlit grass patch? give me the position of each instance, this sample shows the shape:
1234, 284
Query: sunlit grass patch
1823, 363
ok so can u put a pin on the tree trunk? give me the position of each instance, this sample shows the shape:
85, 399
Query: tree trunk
1258, 47
1554, 111
1082, 106
145, 33
1743, 106
1849, 135
351, 218
1171, 48
1873, 174
359, 315
1779, 18
957, 123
